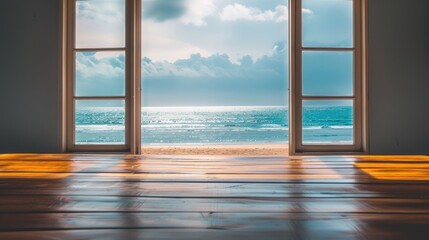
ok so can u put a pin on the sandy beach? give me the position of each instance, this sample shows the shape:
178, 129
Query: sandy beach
219, 150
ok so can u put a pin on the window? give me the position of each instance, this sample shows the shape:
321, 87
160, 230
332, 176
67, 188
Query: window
327, 80
100, 71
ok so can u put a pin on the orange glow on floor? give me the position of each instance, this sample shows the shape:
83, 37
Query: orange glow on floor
405, 168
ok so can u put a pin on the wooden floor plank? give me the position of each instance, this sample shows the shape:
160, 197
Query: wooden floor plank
156, 189
178, 204
201, 220
292, 230
110, 196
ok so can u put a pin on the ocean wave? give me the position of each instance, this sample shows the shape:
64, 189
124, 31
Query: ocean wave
326, 127
341, 127
217, 124
99, 128
211, 109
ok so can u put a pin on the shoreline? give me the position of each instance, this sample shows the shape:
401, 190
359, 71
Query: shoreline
275, 149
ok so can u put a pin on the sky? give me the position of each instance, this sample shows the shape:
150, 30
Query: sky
214, 52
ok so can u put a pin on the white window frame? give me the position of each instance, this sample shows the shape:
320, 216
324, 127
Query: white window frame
296, 97
132, 81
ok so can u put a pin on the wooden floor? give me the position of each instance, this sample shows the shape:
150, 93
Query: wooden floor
107, 197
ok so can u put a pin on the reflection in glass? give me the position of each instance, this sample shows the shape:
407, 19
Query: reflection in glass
100, 73
327, 122
327, 73
100, 122
327, 23
100, 23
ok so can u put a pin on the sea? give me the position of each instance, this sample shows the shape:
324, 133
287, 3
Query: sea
216, 125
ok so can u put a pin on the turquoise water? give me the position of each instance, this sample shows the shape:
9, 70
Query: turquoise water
215, 125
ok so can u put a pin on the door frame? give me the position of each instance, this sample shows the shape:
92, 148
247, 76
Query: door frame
360, 143
132, 81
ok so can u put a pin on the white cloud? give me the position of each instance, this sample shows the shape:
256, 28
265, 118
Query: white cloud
100, 23
106, 69
215, 80
216, 66
100, 65
239, 12
307, 11
163, 43
191, 12
197, 11
170, 70
103, 11
160, 48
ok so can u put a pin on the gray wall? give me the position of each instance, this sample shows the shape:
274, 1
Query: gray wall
29, 109
398, 76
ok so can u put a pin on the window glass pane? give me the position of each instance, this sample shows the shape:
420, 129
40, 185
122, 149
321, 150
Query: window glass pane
327, 23
327, 73
100, 23
327, 122
100, 73
100, 122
